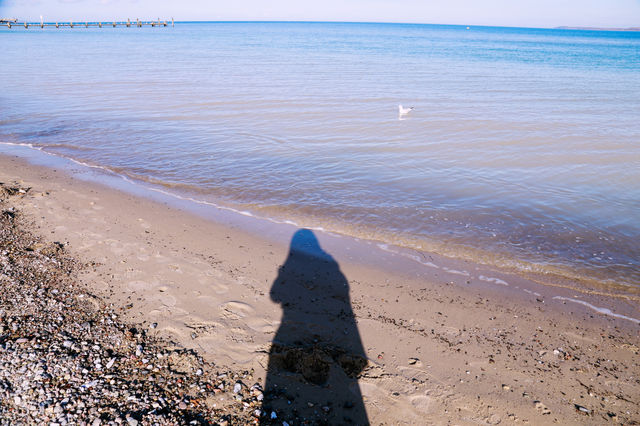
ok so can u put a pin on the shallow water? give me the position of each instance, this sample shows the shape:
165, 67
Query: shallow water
522, 151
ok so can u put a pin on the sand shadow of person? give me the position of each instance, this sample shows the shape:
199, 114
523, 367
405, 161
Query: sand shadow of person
316, 354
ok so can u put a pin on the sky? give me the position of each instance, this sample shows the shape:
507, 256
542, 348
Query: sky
516, 13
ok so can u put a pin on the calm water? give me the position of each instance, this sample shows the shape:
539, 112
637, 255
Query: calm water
523, 149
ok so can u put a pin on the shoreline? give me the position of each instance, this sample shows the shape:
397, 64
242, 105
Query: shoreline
442, 343
275, 230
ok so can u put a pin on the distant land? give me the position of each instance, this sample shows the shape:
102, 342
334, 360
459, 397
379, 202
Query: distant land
599, 29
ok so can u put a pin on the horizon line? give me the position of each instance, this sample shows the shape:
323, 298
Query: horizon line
561, 27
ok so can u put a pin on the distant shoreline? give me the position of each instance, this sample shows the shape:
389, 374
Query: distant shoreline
597, 28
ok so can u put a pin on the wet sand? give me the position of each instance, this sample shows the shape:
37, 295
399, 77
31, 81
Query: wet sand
444, 341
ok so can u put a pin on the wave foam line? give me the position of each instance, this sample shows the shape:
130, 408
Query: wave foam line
493, 280
385, 247
604, 311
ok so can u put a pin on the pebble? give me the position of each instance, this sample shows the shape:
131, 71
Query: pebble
582, 409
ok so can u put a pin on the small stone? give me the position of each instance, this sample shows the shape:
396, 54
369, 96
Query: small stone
237, 388
154, 325
110, 363
182, 405
582, 409
17, 400
132, 421
274, 415
505, 387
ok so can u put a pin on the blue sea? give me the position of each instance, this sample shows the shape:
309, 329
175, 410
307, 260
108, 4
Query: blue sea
522, 151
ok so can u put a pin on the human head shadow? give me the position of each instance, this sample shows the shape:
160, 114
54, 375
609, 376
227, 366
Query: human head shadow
316, 355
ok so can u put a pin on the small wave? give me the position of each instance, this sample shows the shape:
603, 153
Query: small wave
604, 311
493, 280
456, 272
66, 146
28, 145
416, 258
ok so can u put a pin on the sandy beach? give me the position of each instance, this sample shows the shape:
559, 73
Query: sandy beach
337, 330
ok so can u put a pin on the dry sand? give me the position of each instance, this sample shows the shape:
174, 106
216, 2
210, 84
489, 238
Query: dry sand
446, 342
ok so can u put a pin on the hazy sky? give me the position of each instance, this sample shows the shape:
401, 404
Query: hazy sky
532, 13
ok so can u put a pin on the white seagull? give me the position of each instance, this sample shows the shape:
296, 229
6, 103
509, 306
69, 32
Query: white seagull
404, 111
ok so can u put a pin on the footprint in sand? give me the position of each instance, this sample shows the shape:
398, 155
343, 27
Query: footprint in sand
219, 288
410, 409
236, 310
167, 300
234, 352
211, 273
261, 325
117, 247
421, 403
139, 286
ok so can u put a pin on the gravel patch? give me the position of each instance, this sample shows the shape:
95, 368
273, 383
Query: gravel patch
66, 357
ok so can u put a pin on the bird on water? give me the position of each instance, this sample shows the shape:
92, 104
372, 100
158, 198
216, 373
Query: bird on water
404, 111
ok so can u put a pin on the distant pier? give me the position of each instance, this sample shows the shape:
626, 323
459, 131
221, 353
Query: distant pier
100, 24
